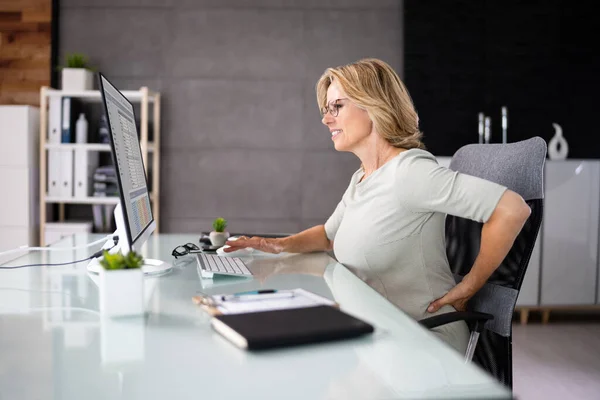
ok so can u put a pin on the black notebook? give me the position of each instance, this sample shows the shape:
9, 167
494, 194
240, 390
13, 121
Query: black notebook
267, 329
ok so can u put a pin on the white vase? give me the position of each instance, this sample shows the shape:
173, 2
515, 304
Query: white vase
121, 292
77, 79
218, 238
558, 148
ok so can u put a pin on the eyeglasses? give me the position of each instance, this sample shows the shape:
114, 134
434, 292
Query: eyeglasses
333, 107
185, 249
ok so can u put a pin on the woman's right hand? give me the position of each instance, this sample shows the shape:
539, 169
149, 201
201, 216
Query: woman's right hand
267, 245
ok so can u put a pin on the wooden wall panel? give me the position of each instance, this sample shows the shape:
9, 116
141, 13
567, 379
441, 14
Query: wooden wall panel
25, 49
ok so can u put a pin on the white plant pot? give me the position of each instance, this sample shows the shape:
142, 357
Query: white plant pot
218, 238
121, 292
77, 79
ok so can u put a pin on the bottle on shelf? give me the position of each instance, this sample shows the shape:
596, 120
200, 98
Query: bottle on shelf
81, 129
481, 117
487, 129
504, 124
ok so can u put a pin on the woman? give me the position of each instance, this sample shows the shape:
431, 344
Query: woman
389, 226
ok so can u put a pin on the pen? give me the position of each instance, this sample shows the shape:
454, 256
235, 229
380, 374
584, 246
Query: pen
268, 295
262, 291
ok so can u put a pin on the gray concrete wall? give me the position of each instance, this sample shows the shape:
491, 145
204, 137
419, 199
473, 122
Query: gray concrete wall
241, 132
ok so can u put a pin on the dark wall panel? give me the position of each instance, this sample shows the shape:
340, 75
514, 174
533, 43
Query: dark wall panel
534, 57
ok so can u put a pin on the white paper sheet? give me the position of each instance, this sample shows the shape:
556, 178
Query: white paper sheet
301, 298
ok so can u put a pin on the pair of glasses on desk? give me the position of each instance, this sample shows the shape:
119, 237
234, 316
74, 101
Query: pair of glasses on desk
183, 250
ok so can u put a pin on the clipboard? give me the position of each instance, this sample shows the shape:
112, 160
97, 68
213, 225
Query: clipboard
223, 304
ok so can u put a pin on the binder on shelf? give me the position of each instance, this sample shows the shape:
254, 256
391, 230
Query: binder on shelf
85, 165
54, 120
98, 218
54, 178
70, 111
54, 136
103, 216
66, 173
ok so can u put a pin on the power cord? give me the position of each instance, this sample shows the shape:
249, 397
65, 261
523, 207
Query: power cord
26, 248
96, 254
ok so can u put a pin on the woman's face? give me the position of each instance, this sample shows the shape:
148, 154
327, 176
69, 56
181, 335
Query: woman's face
351, 126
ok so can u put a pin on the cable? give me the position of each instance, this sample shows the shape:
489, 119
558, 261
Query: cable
30, 309
25, 248
96, 254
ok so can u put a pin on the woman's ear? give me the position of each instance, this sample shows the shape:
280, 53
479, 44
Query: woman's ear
372, 130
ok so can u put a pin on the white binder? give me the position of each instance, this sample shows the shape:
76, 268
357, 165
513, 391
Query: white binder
54, 120
68, 120
66, 173
54, 137
85, 165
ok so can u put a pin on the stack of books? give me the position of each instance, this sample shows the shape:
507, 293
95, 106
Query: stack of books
105, 181
105, 185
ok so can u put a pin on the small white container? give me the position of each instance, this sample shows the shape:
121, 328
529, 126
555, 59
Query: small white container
81, 129
218, 238
121, 292
77, 79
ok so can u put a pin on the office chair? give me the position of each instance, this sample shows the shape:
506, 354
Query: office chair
518, 166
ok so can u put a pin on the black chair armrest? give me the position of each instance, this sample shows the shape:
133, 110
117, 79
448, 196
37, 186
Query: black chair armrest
476, 320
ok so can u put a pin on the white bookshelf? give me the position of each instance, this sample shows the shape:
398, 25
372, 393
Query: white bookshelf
87, 200
95, 95
83, 200
149, 103
87, 146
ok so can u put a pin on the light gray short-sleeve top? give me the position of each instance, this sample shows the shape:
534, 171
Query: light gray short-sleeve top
390, 230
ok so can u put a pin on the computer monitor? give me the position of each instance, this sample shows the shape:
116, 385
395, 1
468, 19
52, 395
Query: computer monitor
133, 215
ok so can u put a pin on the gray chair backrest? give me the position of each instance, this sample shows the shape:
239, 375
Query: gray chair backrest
520, 167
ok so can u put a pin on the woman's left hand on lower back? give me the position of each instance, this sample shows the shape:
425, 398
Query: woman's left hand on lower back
457, 297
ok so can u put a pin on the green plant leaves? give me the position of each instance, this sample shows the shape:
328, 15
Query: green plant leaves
118, 261
77, 60
219, 224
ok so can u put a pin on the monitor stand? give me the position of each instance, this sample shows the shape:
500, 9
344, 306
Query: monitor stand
150, 267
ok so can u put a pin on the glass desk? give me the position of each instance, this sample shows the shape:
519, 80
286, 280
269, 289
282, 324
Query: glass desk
54, 344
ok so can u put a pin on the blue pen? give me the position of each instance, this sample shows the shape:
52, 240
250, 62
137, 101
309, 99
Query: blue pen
252, 295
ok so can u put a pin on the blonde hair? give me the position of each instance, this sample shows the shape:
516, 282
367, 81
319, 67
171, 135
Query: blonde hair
374, 86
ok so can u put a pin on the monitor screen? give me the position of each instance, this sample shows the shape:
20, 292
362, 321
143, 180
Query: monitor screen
127, 156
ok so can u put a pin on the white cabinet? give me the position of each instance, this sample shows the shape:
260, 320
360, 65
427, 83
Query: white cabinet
570, 233
564, 268
19, 161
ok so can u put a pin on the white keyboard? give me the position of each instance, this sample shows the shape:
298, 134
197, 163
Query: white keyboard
210, 264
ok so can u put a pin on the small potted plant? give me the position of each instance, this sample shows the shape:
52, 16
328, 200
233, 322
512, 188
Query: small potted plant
218, 236
121, 284
76, 73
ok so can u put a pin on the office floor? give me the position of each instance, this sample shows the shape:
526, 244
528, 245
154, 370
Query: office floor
560, 360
